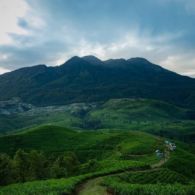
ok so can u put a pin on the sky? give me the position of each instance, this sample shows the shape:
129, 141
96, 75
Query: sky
51, 31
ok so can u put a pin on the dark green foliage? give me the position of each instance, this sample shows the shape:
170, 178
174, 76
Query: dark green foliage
63, 186
21, 165
34, 165
82, 80
58, 168
37, 165
6, 169
64, 166
90, 166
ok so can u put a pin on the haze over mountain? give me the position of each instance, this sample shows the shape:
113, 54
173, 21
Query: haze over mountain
88, 79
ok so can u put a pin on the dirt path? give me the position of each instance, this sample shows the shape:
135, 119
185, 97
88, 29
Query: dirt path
161, 162
94, 187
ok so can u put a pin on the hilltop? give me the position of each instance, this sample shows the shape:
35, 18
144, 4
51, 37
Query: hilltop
86, 144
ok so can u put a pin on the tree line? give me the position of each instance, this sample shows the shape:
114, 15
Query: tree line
35, 165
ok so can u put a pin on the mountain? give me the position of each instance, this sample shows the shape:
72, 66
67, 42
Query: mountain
89, 79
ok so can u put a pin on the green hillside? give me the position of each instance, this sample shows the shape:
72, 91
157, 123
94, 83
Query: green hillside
86, 144
128, 112
134, 114
65, 152
103, 153
38, 116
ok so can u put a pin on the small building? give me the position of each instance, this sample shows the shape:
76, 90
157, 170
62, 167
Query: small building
167, 142
171, 146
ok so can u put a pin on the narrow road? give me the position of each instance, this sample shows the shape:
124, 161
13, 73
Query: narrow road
94, 187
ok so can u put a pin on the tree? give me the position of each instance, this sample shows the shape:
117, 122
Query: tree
5, 169
37, 165
71, 162
64, 165
58, 168
21, 165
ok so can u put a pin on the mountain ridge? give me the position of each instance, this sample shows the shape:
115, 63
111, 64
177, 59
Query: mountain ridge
88, 79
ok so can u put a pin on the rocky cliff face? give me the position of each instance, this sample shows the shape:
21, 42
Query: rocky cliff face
13, 106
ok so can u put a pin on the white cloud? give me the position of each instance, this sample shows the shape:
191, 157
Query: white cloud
180, 62
3, 70
130, 45
3, 57
10, 11
158, 49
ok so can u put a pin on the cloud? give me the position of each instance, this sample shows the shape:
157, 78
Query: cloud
10, 10
50, 32
181, 62
3, 70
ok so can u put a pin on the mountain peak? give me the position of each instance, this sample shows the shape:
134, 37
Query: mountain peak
92, 59
139, 60
73, 60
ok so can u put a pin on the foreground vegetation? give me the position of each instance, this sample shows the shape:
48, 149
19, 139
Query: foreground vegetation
176, 177
55, 152
59, 186
35, 166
